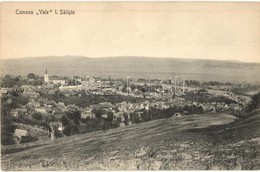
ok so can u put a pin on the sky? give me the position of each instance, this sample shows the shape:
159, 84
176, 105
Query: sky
204, 30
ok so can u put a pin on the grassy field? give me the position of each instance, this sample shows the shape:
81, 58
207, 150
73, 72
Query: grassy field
197, 142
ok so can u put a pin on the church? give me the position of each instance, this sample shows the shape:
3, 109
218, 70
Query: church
54, 81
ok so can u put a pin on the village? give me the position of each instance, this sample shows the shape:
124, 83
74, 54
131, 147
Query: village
59, 106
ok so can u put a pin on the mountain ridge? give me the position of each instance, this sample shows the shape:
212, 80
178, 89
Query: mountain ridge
134, 66
115, 57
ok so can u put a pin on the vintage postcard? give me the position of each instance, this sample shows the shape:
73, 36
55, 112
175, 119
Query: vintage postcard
130, 86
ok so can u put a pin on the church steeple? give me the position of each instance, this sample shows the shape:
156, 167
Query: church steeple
46, 76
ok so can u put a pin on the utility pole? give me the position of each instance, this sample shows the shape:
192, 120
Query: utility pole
183, 87
163, 88
175, 84
127, 83
171, 83
105, 87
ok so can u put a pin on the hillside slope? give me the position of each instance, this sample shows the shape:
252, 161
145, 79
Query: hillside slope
136, 67
196, 142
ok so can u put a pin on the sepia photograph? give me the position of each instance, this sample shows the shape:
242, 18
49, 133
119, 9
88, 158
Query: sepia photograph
130, 86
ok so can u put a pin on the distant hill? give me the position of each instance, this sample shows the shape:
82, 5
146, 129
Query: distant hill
136, 67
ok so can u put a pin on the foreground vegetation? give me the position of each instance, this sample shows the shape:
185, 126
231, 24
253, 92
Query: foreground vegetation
208, 142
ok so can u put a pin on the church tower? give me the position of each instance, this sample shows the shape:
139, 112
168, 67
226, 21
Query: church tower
46, 76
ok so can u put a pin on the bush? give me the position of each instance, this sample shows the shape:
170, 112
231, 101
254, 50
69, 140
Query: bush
37, 116
7, 138
57, 133
26, 139
226, 100
71, 122
98, 113
7, 127
134, 117
74, 115
70, 130
31, 76
254, 103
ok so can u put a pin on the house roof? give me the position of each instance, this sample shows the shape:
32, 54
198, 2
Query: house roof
102, 105
56, 110
21, 109
35, 104
48, 102
19, 132
55, 124
106, 105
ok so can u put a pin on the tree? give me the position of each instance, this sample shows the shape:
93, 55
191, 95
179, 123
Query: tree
70, 130
254, 103
98, 113
126, 118
110, 116
134, 117
8, 81
7, 127
71, 122
37, 116
64, 120
31, 76
26, 139
74, 116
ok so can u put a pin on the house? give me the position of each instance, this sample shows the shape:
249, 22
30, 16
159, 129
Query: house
30, 80
56, 126
29, 90
146, 107
56, 110
61, 104
16, 111
104, 116
122, 124
54, 81
141, 106
71, 88
61, 128
34, 104
3, 91
88, 116
48, 109
48, 86
20, 133
177, 114
130, 105
49, 103
108, 90
33, 95
118, 114
9, 101
41, 99
213, 103
139, 114
73, 107
103, 105
87, 113
41, 110
62, 82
